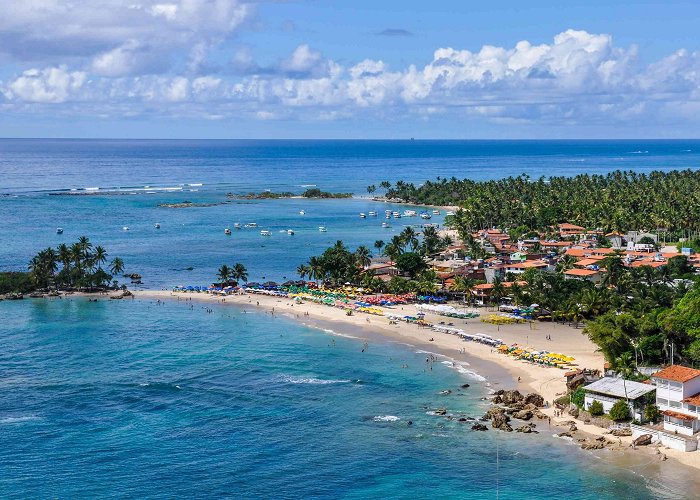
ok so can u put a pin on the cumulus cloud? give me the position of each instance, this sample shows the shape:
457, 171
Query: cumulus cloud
121, 37
579, 77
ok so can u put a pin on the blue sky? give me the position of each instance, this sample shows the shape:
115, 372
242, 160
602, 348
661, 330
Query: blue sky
349, 69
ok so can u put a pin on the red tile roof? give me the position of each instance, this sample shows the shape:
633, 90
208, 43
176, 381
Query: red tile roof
693, 400
679, 416
581, 272
677, 373
566, 225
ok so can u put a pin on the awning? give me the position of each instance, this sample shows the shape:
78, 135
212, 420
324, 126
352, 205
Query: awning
679, 416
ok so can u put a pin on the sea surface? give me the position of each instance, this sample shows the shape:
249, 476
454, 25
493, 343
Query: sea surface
135, 399
139, 399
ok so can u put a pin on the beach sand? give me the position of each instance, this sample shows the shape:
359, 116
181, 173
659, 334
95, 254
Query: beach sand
526, 377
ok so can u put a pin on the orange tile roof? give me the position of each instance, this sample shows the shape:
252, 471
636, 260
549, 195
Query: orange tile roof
677, 373
693, 400
528, 264
679, 416
591, 261
581, 272
566, 225
650, 263
555, 243
602, 251
577, 252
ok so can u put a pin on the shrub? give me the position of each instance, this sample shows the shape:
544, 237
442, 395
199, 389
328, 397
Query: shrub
596, 408
651, 413
578, 397
620, 410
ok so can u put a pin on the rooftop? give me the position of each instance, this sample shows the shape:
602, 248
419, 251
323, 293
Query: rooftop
581, 272
677, 373
613, 386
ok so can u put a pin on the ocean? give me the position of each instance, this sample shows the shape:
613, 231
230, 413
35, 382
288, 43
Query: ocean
137, 398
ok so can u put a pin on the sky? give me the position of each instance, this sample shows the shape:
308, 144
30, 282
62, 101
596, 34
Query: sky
350, 69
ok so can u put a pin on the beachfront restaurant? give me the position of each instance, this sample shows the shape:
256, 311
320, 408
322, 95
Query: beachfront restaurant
609, 390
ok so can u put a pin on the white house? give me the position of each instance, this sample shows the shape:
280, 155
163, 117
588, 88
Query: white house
678, 398
609, 390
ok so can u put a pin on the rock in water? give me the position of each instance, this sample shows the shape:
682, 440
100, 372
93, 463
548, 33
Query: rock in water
464, 386
500, 421
479, 427
523, 415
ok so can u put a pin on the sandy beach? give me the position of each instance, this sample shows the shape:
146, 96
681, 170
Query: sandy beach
526, 377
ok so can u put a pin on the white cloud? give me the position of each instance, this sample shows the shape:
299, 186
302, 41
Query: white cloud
577, 78
50, 85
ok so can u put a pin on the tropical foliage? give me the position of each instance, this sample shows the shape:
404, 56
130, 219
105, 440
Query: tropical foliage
80, 265
237, 273
618, 201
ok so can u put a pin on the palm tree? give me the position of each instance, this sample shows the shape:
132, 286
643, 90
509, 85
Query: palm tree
239, 273
302, 271
363, 256
224, 273
379, 244
408, 237
116, 266
624, 367
100, 256
565, 263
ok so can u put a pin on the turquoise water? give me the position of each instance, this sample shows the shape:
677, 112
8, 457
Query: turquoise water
137, 399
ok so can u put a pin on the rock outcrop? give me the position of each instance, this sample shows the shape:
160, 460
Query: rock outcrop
643, 440
534, 399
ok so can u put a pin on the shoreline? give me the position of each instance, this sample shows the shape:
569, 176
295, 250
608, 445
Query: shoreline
497, 370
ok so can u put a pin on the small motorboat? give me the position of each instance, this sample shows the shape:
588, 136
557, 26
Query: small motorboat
265, 232
425, 215
157, 225
322, 229
237, 225
125, 228
449, 213
372, 214
302, 212
436, 212
290, 232
59, 230
227, 231
397, 215
251, 225
385, 224
388, 216
362, 215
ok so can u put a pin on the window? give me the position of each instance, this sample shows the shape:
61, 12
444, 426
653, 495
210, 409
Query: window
693, 408
675, 404
675, 385
661, 401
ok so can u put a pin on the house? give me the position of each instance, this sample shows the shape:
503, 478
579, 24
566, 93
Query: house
575, 378
591, 275
609, 390
521, 267
678, 398
616, 239
568, 230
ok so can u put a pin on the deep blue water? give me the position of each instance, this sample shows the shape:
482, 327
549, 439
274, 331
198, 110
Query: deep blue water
132, 399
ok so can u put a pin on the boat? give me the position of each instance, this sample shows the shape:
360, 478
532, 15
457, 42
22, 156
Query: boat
322, 229
425, 215
362, 215
227, 231
449, 213
59, 230
409, 213
372, 214
388, 216
436, 212
301, 212
125, 228
264, 232
157, 225
385, 224
290, 232
237, 225
397, 215
251, 225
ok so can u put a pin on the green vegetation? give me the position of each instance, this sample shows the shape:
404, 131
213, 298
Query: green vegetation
578, 397
596, 408
618, 201
651, 413
238, 273
79, 265
619, 411
317, 193
15, 282
267, 195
